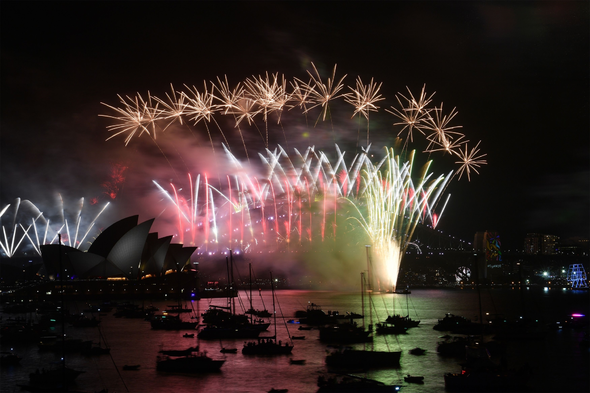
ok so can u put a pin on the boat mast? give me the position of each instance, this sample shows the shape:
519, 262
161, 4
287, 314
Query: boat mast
363, 297
231, 263
63, 318
272, 289
251, 309
228, 285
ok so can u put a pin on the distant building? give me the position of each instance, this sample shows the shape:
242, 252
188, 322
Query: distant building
488, 250
541, 244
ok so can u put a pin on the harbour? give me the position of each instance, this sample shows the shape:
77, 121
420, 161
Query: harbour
558, 361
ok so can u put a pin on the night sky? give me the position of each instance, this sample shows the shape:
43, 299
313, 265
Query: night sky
517, 72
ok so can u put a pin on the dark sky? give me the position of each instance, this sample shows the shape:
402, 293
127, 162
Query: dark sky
517, 72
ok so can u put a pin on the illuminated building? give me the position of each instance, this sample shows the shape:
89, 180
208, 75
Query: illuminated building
126, 250
540, 244
488, 251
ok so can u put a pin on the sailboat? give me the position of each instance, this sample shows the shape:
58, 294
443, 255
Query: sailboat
479, 372
191, 360
194, 363
98, 349
400, 321
251, 311
362, 358
268, 345
59, 378
171, 320
224, 323
353, 383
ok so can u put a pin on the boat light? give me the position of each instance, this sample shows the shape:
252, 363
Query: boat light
578, 315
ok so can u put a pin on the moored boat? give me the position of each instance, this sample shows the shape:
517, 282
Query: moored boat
363, 359
131, 367
414, 379
171, 322
194, 363
352, 383
267, 346
179, 352
390, 328
417, 351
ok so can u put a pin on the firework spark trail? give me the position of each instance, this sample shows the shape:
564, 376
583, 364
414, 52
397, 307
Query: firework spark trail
8, 243
363, 98
393, 203
174, 108
325, 92
413, 114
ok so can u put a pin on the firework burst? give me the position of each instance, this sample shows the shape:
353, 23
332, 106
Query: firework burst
296, 197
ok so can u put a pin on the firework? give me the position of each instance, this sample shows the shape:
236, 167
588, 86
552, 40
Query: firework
300, 196
135, 116
29, 223
470, 160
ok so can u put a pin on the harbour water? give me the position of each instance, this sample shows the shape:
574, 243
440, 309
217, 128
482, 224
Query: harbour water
558, 362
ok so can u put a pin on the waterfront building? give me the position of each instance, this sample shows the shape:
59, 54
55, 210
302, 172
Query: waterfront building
541, 244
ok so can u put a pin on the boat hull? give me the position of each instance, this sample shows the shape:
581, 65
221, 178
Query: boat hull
189, 364
363, 359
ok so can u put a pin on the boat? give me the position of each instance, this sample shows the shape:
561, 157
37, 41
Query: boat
268, 346
251, 311
179, 352
363, 359
259, 313
58, 378
273, 390
54, 344
452, 346
453, 323
187, 335
352, 383
417, 351
297, 361
314, 315
95, 350
347, 357
414, 379
131, 367
345, 333
229, 350
193, 363
224, 323
171, 322
297, 337
399, 320
390, 328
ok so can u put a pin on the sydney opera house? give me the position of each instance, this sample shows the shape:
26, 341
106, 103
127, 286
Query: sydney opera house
125, 259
